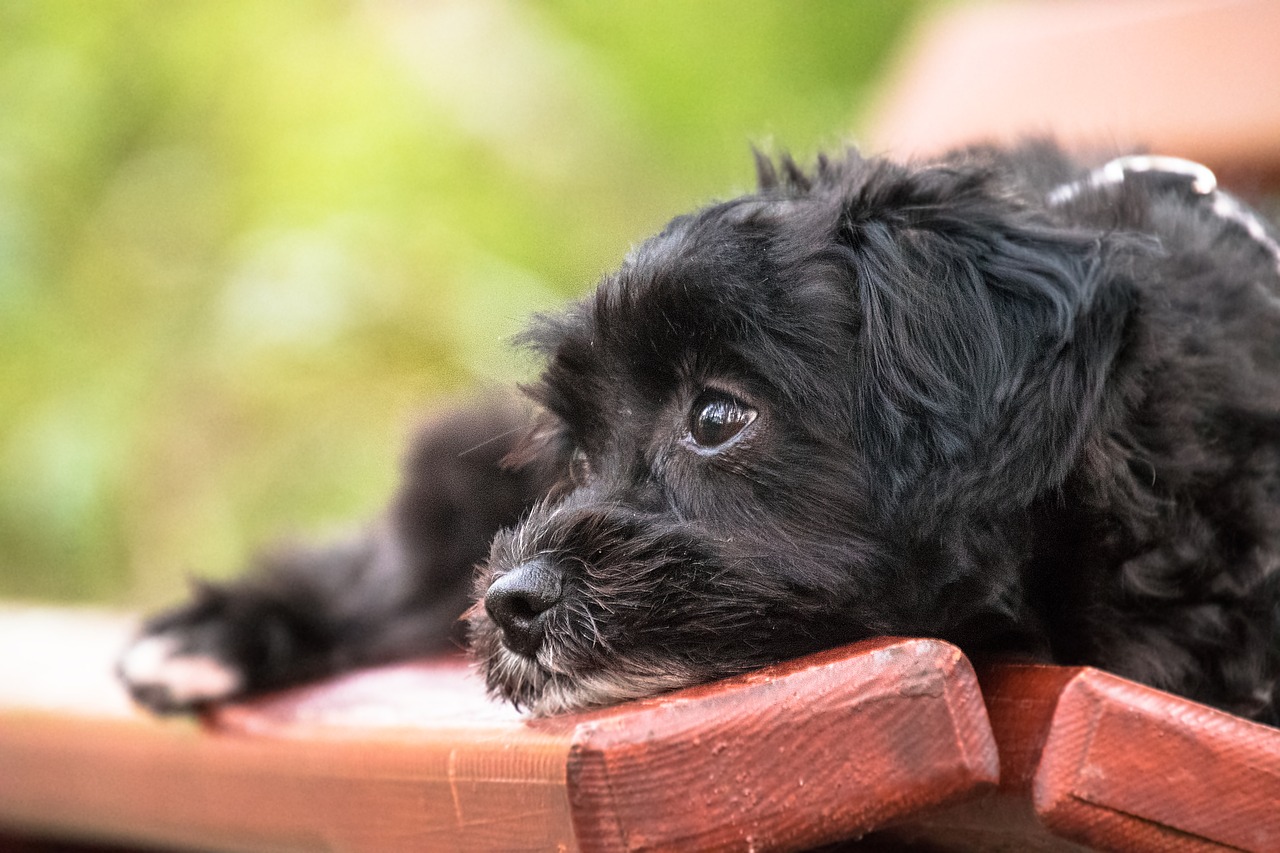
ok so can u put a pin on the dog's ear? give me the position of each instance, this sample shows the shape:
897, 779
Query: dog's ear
988, 339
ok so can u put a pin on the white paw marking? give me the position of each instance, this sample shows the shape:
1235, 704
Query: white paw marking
186, 678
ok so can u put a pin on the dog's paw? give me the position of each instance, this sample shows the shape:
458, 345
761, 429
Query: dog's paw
185, 659
166, 674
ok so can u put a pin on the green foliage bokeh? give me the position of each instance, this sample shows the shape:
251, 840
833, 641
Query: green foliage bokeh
244, 245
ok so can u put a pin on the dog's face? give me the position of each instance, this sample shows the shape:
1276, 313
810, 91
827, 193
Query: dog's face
804, 417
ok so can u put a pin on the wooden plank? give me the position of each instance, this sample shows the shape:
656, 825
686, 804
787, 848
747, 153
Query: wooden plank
414, 757
1093, 761
1126, 767
1021, 702
757, 762
786, 758
1193, 78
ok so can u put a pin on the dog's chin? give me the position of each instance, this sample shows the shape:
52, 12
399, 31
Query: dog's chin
540, 692
542, 686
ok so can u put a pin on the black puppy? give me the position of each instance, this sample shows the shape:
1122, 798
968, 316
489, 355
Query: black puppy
993, 398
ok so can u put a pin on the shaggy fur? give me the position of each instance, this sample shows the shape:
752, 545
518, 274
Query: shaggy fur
867, 399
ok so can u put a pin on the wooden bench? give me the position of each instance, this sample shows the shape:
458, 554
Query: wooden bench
889, 737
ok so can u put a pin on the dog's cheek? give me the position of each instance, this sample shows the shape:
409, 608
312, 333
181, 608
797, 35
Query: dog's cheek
724, 621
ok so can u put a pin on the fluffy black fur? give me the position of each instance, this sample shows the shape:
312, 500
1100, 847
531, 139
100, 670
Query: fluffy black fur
867, 399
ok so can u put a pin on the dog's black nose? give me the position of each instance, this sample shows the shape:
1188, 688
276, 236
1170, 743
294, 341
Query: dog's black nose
520, 600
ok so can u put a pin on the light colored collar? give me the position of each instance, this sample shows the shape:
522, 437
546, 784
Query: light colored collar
1199, 177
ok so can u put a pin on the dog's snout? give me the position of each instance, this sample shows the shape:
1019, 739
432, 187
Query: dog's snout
520, 600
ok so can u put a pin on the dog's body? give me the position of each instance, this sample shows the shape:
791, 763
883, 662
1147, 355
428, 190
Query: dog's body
986, 399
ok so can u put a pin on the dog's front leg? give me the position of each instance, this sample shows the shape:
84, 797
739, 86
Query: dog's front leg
395, 592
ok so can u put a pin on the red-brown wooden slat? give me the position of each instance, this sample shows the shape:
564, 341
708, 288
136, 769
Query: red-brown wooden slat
1093, 761
763, 761
774, 759
414, 758
1021, 701
1126, 767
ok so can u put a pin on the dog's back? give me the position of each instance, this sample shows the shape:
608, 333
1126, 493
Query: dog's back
1170, 529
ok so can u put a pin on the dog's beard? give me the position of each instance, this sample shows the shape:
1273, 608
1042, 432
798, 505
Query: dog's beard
649, 607
542, 685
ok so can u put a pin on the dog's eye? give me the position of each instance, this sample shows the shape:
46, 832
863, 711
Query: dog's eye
579, 467
717, 417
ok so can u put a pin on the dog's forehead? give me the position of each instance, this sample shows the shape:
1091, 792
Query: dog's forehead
704, 283
719, 294
723, 233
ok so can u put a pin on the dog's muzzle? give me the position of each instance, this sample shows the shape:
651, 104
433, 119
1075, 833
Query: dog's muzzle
520, 602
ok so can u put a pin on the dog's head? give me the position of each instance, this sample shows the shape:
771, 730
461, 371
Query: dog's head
806, 416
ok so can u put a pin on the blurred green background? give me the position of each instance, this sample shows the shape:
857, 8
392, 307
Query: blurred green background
245, 246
